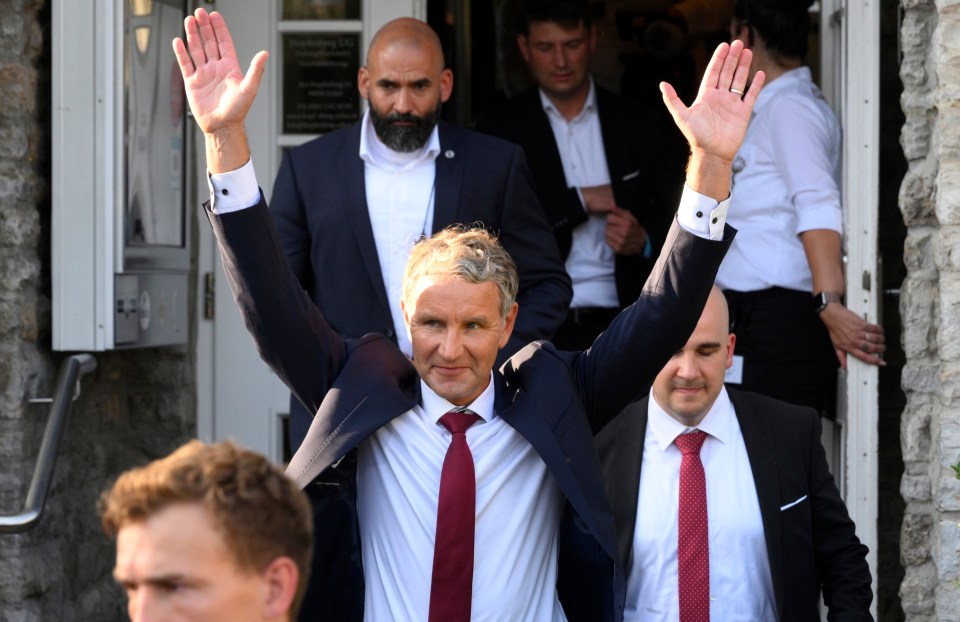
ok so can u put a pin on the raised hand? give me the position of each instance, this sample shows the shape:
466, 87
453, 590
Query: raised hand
218, 92
716, 122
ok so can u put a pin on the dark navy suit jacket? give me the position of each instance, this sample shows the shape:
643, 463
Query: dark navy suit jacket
556, 400
811, 545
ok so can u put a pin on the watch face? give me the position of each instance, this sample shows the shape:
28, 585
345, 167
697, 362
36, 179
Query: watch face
818, 302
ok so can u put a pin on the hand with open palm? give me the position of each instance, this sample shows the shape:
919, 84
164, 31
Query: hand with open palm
218, 92
716, 122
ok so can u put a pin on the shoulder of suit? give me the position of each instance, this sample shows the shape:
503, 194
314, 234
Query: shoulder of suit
612, 433
327, 143
460, 138
765, 406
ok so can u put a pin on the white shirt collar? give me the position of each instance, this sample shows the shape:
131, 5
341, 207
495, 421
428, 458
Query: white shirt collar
374, 152
720, 422
589, 104
435, 406
786, 80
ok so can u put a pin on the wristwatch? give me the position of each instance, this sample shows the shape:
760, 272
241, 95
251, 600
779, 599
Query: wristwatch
822, 299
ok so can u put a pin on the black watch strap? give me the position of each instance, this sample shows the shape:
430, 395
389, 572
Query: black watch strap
822, 299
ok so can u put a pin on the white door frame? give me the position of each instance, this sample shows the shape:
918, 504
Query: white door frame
851, 83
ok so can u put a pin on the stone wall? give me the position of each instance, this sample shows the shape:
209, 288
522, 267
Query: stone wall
930, 308
138, 405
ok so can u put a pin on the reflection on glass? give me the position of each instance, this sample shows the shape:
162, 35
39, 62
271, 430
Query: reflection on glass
154, 132
319, 81
321, 9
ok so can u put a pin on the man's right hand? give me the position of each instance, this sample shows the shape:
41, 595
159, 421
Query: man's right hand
218, 92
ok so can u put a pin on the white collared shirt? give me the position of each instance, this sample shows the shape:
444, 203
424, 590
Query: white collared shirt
518, 517
590, 263
741, 589
784, 183
400, 190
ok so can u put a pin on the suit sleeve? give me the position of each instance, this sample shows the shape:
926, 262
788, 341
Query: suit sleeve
840, 557
545, 292
290, 217
290, 333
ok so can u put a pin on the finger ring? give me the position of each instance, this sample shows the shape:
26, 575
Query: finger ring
864, 346
737, 91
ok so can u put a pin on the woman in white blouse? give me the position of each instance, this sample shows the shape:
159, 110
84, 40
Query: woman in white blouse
784, 274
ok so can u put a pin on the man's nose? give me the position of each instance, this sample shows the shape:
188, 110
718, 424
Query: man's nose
141, 607
451, 345
560, 57
404, 101
687, 367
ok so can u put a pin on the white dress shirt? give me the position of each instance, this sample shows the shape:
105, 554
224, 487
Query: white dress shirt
590, 263
518, 517
784, 183
741, 589
400, 191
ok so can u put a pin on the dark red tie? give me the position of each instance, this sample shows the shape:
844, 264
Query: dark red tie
451, 590
693, 549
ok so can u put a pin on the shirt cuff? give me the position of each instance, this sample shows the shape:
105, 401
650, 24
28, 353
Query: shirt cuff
702, 216
234, 190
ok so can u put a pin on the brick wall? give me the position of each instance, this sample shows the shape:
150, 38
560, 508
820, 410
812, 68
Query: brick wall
138, 405
930, 307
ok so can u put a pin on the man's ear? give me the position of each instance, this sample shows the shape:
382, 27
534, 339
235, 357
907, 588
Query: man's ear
280, 581
731, 343
508, 323
524, 50
446, 85
363, 82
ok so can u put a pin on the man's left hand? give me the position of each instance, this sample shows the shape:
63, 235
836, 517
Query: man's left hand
624, 233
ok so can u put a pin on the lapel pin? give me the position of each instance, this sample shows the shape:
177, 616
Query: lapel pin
448, 154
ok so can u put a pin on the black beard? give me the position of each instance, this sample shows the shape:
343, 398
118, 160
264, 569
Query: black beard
404, 138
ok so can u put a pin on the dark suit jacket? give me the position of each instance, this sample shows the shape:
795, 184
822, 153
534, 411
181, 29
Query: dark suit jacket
811, 545
646, 156
554, 399
319, 206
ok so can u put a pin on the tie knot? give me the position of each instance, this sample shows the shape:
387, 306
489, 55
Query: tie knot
690, 443
458, 422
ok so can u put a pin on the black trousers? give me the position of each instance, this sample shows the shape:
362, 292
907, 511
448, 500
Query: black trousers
786, 348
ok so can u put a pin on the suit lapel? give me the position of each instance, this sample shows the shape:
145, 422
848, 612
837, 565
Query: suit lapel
623, 481
611, 140
448, 178
524, 413
763, 462
548, 154
357, 213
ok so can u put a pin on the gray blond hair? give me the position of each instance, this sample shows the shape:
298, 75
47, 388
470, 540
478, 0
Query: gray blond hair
468, 253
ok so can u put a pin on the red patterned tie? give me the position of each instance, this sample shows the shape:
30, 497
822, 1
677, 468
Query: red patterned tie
693, 551
452, 584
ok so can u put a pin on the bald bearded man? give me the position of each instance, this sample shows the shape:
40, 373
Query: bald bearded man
348, 206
